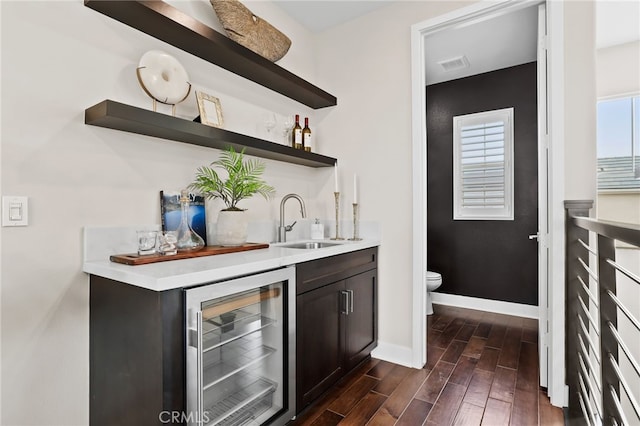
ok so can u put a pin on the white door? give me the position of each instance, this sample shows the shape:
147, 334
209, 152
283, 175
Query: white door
543, 219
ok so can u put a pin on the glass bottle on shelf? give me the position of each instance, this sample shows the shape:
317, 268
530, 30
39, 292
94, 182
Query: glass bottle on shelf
306, 136
297, 134
188, 240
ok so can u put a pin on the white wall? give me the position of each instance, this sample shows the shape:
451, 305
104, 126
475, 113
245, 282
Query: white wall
59, 58
368, 61
619, 207
618, 70
580, 101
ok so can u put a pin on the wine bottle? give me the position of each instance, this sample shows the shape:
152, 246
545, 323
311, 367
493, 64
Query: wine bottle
297, 134
306, 135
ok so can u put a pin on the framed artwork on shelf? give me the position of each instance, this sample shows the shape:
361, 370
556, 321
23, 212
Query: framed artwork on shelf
170, 212
210, 110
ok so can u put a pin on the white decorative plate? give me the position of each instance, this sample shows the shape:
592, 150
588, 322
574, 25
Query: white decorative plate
163, 78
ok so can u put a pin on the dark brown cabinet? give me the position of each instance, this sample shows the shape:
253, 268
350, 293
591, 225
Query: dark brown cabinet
320, 341
137, 339
136, 354
360, 323
336, 319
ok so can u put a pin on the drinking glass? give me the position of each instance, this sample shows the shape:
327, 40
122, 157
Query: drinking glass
147, 242
286, 129
167, 242
269, 119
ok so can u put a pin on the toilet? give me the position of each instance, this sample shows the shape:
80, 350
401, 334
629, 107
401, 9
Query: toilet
434, 280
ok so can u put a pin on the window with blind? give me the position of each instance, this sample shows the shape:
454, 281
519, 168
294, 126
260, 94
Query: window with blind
483, 166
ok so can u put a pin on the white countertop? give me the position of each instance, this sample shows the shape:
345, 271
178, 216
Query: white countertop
188, 272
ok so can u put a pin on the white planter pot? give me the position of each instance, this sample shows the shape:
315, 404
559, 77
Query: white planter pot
231, 229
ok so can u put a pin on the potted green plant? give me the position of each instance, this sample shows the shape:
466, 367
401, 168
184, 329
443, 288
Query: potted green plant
242, 181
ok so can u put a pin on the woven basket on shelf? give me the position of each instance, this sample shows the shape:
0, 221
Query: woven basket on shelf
251, 31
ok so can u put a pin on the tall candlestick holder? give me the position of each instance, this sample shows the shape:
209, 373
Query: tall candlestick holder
355, 224
337, 200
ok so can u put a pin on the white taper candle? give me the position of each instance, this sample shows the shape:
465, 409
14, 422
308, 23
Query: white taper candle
355, 188
335, 175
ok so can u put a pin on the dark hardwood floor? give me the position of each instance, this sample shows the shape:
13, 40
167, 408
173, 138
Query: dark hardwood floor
482, 369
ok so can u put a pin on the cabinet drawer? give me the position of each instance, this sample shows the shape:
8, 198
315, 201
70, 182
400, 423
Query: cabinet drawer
318, 273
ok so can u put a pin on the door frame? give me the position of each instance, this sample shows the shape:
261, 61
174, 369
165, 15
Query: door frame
554, 275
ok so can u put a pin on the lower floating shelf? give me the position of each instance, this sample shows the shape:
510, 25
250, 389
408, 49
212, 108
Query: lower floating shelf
118, 116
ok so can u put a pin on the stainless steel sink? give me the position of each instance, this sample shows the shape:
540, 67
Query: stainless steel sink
309, 246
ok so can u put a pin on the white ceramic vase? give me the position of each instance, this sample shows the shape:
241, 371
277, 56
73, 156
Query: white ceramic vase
231, 229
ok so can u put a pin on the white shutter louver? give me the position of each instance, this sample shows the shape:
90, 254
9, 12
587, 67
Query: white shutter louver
483, 173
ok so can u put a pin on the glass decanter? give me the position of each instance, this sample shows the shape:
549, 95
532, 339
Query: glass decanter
188, 240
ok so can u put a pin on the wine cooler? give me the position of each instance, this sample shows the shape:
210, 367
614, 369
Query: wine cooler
240, 350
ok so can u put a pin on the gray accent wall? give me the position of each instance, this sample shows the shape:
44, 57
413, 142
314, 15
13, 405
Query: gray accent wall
482, 258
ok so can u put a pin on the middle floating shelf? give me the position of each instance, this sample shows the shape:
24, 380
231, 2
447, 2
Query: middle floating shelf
119, 116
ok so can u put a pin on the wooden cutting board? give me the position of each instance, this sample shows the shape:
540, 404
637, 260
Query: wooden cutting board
136, 259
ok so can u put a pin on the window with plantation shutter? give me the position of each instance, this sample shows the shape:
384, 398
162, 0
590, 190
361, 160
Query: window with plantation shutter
483, 166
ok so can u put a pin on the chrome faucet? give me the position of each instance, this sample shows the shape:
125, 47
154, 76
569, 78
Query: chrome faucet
283, 229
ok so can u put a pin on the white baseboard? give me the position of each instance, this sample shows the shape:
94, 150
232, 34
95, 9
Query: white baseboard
393, 353
495, 306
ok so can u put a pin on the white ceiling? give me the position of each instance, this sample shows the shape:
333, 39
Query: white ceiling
492, 44
617, 22
320, 15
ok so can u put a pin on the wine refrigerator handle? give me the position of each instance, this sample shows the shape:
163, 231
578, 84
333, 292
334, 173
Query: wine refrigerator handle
199, 380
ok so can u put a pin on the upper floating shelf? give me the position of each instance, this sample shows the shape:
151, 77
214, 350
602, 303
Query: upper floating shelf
115, 115
165, 22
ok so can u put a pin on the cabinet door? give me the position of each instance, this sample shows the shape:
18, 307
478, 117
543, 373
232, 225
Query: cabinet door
320, 341
361, 329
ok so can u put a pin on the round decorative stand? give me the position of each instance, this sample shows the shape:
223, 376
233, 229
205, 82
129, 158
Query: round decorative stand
163, 78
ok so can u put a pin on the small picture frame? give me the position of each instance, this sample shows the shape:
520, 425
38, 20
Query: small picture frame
210, 110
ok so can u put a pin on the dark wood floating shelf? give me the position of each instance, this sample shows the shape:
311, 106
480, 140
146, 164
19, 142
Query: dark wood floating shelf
163, 21
115, 115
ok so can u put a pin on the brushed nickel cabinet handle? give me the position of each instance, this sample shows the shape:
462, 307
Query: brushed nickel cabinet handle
345, 301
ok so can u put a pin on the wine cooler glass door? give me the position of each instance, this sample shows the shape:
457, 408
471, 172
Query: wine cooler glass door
240, 350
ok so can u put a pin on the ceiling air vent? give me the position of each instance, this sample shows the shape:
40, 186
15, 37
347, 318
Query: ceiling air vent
453, 64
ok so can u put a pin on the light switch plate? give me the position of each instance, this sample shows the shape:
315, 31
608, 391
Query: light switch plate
15, 210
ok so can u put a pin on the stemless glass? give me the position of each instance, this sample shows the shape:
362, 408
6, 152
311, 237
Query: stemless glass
147, 242
167, 241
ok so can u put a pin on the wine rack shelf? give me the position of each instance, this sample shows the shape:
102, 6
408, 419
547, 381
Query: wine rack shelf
164, 22
119, 116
